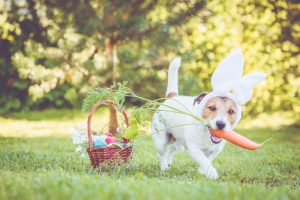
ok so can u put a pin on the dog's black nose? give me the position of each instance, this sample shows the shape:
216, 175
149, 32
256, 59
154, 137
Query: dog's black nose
220, 124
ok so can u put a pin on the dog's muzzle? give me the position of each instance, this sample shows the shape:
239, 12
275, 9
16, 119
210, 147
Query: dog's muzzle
215, 139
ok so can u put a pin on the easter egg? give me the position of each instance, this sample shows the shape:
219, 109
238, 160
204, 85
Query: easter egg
99, 142
110, 140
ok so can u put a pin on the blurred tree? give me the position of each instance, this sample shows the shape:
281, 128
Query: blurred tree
15, 29
72, 46
58, 51
267, 31
271, 33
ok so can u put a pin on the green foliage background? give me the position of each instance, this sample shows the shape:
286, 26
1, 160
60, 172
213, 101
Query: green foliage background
52, 53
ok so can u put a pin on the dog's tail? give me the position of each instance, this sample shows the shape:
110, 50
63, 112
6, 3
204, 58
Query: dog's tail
172, 89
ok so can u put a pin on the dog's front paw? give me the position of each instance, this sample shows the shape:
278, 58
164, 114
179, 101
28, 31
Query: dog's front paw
164, 166
210, 172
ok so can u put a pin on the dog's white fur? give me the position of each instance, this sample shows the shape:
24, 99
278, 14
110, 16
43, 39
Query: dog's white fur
173, 131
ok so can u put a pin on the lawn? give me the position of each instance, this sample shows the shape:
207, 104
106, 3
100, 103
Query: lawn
38, 161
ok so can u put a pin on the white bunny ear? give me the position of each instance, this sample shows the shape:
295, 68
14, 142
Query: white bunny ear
228, 72
243, 90
254, 77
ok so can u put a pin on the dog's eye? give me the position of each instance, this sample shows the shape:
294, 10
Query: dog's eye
212, 108
230, 112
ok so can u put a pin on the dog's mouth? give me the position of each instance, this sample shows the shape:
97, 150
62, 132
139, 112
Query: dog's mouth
215, 139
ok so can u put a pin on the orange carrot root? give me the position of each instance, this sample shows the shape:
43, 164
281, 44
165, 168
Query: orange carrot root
236, 139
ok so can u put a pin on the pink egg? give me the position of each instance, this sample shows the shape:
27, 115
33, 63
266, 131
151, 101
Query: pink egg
110, 140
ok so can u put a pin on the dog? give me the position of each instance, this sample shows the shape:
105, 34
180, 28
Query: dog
175, 125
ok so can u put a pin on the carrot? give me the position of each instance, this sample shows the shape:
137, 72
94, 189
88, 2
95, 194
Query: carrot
236, 139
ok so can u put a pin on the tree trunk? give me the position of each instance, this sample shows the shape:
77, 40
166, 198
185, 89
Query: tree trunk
112, 59
113, 120
111, 55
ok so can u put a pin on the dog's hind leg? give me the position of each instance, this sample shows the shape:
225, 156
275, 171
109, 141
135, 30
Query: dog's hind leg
160, 139
173, 149
171, 153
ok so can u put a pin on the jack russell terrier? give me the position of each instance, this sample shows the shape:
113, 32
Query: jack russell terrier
175, 126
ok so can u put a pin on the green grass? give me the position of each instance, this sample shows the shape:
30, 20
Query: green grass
47, 167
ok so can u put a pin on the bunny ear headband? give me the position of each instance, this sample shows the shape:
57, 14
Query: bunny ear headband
227, 81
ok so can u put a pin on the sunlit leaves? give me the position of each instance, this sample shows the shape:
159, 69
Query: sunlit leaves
71, 57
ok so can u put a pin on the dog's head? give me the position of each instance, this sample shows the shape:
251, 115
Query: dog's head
220, 112
222, 106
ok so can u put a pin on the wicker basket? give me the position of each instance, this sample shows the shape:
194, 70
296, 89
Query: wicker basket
111, 154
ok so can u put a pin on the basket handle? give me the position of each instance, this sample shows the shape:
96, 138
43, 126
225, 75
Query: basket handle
99, 103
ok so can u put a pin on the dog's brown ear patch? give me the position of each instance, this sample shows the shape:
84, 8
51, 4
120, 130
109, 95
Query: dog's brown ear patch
199, 98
